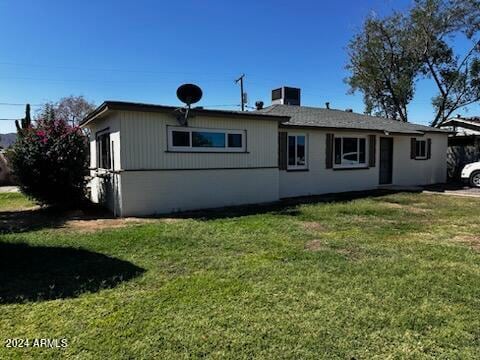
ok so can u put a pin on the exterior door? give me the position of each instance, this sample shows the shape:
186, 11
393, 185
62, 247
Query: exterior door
386, 160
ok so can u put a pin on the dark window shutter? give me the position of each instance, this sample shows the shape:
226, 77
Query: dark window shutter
329, 151
429, 148
413, 144
282, 150
372, 145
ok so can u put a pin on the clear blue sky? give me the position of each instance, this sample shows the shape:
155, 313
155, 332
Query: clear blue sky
142, 50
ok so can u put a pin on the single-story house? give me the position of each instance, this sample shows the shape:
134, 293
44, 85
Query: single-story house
143, 161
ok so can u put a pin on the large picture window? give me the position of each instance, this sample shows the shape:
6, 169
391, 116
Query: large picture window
206, 140
297, 152
350, 152
104, 160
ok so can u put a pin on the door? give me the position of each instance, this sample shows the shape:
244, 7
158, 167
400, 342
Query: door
386, 160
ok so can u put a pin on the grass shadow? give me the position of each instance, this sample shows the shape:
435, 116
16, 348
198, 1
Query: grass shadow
31, 273
450, 186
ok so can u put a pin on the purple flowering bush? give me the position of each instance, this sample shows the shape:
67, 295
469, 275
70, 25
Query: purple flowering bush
50, 163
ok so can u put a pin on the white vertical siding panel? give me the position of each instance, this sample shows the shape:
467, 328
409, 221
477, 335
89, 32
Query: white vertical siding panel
144, 142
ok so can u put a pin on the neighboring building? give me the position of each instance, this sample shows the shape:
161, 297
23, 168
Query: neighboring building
463, 143
143, 162
465, 131
5, 171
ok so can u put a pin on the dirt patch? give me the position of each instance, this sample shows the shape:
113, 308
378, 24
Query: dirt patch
315, 245
313, 226
171, 220
319, 245
471, 240
409, 208
351, 253
101, 224
91, 225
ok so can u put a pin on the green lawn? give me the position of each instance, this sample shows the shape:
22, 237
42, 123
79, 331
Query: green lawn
389, 277
14, 201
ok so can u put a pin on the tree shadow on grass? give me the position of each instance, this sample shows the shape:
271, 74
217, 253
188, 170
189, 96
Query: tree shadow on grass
38, 218
31, 273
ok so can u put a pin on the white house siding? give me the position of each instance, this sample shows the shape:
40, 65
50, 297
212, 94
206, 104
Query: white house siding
320, 180
155, 181
144, 143
106, 190
408, 172
158, 192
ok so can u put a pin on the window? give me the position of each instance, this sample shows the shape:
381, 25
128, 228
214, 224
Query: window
297, 152
206, 140
235, 140
180, 138
103, 154
420, 149
350, 152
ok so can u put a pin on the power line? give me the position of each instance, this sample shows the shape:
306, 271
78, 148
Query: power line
148, 71
19, 104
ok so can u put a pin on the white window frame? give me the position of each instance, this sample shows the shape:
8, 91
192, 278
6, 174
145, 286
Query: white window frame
423, 157
191, 148
350, 165
297, 167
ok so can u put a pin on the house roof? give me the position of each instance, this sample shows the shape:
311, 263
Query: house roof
304, 116
287, 115
108, 106
470, 121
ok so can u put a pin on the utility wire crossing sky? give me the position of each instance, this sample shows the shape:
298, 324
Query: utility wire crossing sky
142, 51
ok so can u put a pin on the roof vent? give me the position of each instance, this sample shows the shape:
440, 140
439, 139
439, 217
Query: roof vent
327, 105
349, 110
259, 105
286, 96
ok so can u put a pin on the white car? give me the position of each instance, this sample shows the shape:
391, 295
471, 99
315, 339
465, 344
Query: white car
471, 174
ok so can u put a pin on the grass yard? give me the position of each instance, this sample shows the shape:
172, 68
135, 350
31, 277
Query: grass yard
386, 277
14, 201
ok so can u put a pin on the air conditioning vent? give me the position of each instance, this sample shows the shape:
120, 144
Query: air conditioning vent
286, 96
277, 94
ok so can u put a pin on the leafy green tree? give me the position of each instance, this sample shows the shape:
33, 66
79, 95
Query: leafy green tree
381, 67
390, 55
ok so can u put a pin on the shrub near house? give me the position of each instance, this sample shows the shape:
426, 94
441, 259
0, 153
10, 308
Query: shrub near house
49, 161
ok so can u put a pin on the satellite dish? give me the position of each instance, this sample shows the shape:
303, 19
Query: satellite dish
189, 94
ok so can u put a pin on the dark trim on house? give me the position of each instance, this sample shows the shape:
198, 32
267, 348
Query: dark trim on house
101, 131
339, 129
298, 170
140, 107
191, 169
350, 168
207, 152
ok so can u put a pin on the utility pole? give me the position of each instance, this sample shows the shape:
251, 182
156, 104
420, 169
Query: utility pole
242, 96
